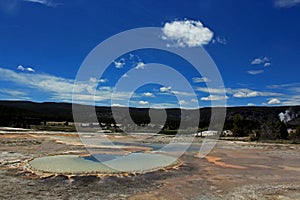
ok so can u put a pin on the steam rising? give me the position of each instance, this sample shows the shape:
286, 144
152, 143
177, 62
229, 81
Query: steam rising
287, 116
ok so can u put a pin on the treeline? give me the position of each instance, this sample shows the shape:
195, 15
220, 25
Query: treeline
271, 129
256, 122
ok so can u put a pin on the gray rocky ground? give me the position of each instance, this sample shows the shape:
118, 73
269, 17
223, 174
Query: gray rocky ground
233, 170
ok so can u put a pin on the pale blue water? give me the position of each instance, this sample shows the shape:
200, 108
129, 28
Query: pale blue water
73, 164
156, 147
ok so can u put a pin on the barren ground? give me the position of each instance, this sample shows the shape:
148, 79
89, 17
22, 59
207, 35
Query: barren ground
233, 170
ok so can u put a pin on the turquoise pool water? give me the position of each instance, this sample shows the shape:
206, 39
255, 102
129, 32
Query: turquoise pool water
74, 164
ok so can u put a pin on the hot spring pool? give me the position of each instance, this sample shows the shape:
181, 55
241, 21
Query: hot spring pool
74, 164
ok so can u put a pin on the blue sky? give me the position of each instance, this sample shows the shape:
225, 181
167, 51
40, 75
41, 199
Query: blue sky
254, 44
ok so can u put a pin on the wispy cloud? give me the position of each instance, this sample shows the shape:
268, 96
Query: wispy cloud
250, 93
286, 85
214, 98
211, 90
238, 92
9, 6
95, 80
219, 40
168, 91
186, 33
48, 3
291, 91
286, 3
40, 81
61, 89
182, 102
291, 100
243, 93
11, 94
255, 72
183, 93
200, 80
164, 105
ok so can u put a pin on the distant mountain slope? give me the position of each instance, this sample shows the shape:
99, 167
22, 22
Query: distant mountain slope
31, 112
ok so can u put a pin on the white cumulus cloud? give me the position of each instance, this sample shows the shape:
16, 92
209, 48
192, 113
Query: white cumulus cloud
148, 94
256, 61
28, 69
165, 89
260, 60
140, 65
265, 61
119, 64
274, 101
187, 33
20, 67
117, 105
143, 102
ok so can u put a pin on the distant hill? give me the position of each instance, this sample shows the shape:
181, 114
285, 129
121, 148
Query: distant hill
15, 113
